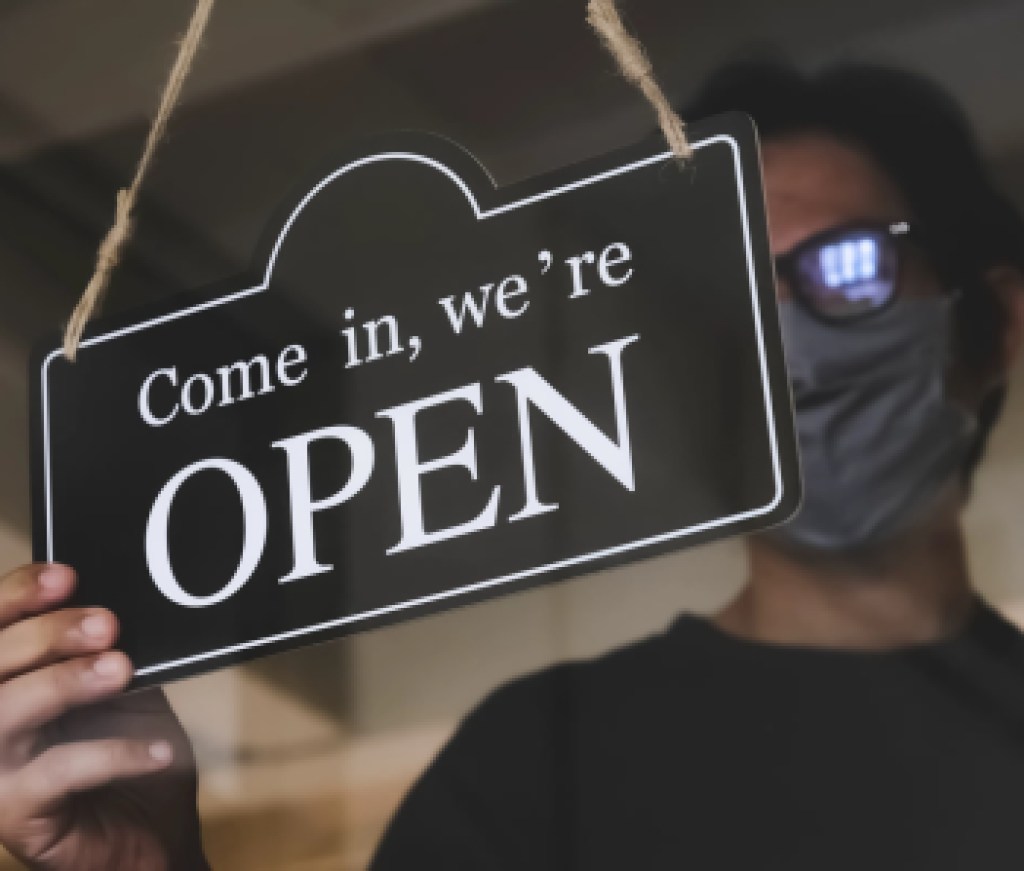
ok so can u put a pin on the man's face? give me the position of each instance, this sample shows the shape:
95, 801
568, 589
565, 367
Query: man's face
867, 484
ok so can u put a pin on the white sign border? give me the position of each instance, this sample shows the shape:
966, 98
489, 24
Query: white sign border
481, 215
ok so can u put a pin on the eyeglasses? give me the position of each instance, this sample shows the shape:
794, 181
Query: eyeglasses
846, 273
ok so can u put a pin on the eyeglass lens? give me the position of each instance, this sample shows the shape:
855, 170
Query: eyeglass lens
850, 274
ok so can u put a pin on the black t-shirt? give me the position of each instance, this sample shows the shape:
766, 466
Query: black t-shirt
696, 750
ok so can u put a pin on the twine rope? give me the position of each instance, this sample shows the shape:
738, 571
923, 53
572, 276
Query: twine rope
603, 16
113, 243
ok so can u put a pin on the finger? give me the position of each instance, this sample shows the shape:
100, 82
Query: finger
141, 714
32, 643
31, 700
33, 588
70, 768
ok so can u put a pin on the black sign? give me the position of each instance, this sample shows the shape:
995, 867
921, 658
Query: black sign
426, 391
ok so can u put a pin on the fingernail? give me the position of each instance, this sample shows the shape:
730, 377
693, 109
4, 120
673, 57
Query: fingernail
108, 665
161, 752
54, 579
95, 626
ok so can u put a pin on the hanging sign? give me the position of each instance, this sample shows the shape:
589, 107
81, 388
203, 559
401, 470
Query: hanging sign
427, 391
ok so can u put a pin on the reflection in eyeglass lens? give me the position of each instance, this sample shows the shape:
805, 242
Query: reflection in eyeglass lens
849, 276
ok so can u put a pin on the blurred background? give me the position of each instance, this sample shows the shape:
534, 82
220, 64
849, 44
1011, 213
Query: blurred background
304, 756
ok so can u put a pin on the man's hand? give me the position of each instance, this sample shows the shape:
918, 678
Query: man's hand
89, 779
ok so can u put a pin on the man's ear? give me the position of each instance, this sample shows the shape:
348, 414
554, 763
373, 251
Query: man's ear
1008, 283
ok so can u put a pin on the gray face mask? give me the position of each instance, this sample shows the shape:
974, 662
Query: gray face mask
878, 438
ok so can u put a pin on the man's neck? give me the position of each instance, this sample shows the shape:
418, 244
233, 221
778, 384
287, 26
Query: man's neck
912, 593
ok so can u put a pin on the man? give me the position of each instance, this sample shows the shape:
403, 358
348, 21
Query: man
855, 707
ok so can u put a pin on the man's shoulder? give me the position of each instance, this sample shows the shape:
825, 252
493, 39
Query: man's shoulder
993, 643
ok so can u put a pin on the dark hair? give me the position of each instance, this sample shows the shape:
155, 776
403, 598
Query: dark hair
918, 135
